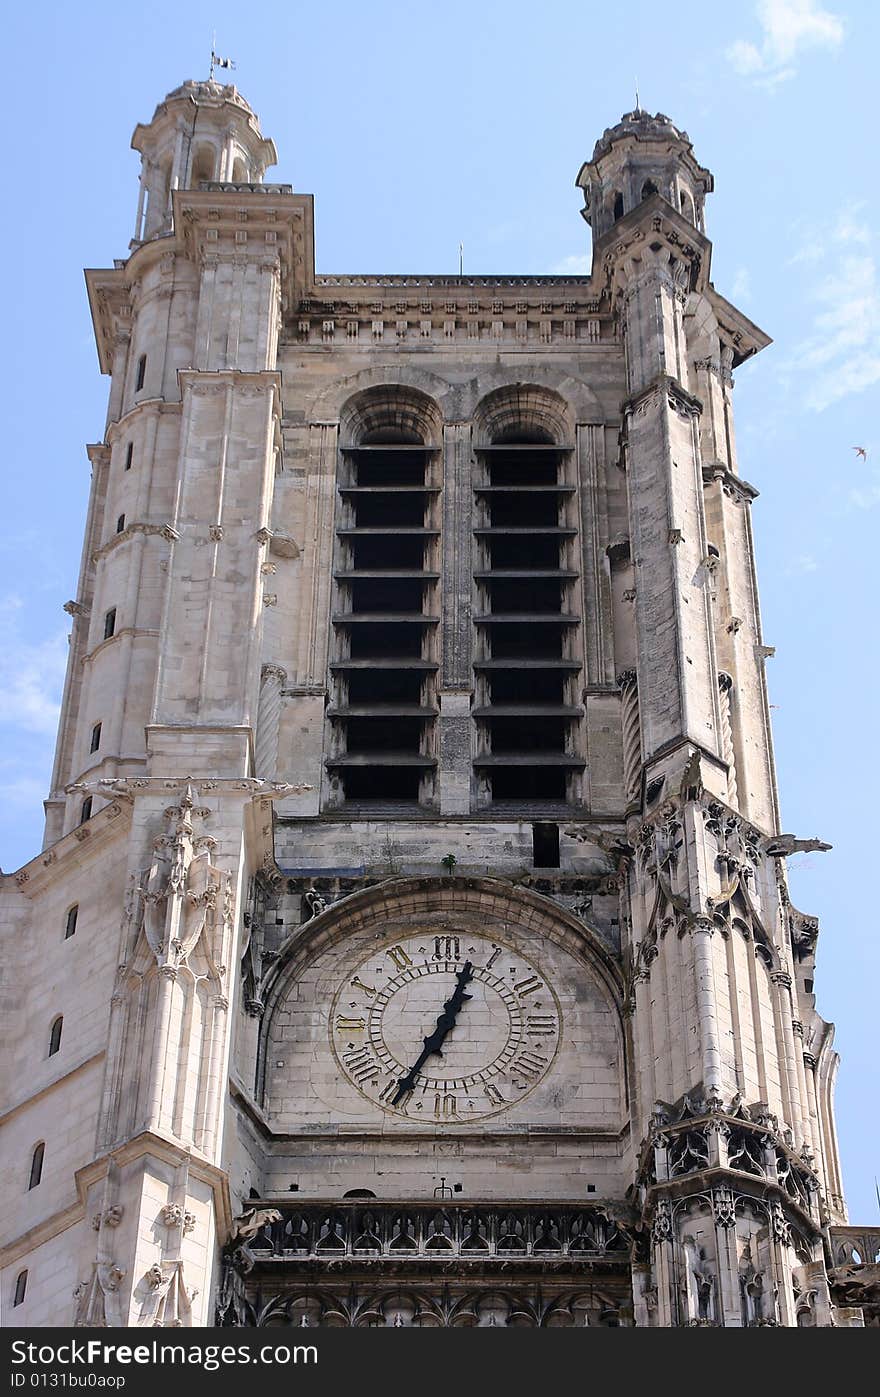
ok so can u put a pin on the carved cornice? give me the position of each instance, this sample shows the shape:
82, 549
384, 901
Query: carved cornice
732, 485
33, 877
677, 398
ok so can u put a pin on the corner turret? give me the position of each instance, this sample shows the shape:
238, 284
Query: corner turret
640, 156
201, 133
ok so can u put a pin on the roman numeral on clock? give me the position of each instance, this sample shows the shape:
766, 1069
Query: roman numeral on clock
540, 1025
494, 1094
524, 987
350, 1025
446, 948
388, 1093
361, 1064
399, 956
529, 1065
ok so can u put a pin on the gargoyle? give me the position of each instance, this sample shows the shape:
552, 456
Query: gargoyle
779, 846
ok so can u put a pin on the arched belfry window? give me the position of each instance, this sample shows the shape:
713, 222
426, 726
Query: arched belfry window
203, 166
528, 656
649, 188
385, 614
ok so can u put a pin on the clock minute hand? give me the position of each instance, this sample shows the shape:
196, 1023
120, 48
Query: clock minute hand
434, 1043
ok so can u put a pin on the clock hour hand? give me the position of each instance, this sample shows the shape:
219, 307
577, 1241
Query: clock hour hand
434, 1043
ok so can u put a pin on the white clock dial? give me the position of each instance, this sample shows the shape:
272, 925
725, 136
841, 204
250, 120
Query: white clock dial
413, 1046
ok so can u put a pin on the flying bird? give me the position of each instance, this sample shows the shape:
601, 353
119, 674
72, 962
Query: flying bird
861, 451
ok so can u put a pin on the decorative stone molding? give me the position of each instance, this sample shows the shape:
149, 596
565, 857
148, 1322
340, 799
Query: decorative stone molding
109, 1217
174, 1215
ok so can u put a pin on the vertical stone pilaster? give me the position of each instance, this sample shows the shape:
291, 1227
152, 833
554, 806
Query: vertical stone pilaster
272, 681
663, 1263
456, 673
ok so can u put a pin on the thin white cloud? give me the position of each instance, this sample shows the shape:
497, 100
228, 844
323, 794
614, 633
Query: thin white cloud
841, 353
788, 29
577, 264
805, 562
31, 675
741, 289
866, 496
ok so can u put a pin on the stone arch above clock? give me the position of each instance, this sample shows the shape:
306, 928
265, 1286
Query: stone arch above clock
355, 992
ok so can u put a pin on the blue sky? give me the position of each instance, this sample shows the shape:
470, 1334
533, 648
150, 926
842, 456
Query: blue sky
418, 127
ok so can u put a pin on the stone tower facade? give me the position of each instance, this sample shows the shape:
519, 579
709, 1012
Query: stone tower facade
411, 941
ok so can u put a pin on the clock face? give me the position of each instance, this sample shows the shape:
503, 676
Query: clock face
446, 1028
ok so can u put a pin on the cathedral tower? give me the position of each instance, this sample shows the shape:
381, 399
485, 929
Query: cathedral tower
413, 892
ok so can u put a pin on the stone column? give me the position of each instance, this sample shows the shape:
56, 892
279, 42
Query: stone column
725, 685
272, 681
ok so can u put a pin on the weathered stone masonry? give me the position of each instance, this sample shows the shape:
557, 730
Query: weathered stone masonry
416, 704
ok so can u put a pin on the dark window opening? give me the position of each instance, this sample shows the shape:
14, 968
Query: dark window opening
545, 846
532, 634
129, 452
618, 205
385, 686
523, 468
526, 594
387, 594
533, 734
393, 468
383, 734
141, 373
530, 783
382, 783
37, 1157
405, 552
85, 810
95, 741
70, 923
382, 641
55, 1035
359, 1193
523, 551
527, 641
387, 510
120, 523
528, 510
20, 1288
384, 491
649, 188
109, 622
515, 686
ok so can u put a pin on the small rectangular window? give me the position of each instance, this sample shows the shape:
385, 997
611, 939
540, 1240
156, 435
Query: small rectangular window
545, 846
109, 622
85, 812
70, 924
96, 738
120, 523
141, 373
129, 452
20, 1288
